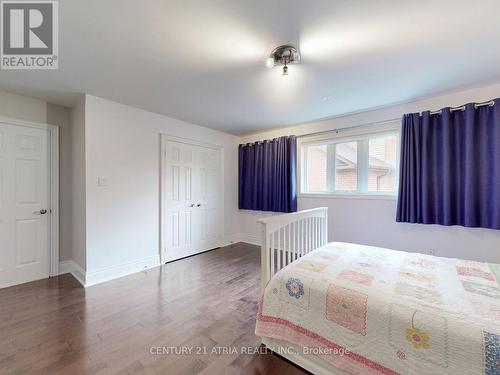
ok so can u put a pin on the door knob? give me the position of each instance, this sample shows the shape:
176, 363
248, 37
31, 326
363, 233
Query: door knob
41, 212
191, 205
198, 205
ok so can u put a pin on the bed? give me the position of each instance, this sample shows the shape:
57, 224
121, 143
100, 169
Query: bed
341, 308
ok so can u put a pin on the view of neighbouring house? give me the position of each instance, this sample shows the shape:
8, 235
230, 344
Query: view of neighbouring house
382, 165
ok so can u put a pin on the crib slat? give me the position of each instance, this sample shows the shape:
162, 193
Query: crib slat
268, 257
272, 253
289, 245
321, 231
303, 240
295, 239
297, 249
315, 233
309, 234
306, 239
318, 231
301, 232
279, 250
323, 238
282, 247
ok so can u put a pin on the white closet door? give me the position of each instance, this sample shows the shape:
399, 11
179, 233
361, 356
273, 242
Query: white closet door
24, 252
191, 200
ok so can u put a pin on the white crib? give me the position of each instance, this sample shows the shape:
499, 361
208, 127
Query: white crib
288, 237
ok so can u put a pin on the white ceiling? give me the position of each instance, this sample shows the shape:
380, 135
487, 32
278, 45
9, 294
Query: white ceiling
204, 61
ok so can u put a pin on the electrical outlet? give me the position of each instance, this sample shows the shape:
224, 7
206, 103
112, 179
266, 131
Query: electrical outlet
431, 252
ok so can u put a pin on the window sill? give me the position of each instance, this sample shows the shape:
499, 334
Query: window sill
385, 197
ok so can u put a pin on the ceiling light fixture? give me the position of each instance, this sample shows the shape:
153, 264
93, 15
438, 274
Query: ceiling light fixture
283, 55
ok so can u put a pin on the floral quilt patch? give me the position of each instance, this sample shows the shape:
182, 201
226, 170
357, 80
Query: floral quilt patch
373, 255
418, 338
357, 277
312, 266
331, 257
418, 276
485, 290
295, 289
486, 309
475, 272
491, 353
347, 308
420, 334
420, 262
367, 265
418, 292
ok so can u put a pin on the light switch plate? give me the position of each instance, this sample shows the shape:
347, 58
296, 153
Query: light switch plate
101, 181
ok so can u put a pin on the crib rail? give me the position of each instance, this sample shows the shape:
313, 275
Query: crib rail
288, 237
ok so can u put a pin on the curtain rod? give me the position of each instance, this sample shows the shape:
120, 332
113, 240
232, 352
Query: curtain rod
490, 103
337, 130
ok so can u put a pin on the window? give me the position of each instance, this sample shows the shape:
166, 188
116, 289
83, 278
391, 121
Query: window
355, 164
346, 166
316, 168
382, 153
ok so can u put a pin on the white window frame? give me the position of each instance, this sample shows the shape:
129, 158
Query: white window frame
362, 134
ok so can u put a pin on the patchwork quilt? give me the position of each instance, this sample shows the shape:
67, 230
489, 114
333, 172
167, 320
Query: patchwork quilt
369, 310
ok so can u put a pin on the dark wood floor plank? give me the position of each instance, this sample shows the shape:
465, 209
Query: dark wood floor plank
206, 301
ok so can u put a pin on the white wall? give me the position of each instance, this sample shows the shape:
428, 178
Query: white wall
372, 221
22, 107
104, 229
77, 218
122, 144
61, 116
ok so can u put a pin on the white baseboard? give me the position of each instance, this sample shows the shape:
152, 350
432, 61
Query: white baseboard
120, 270
242, 237
250, 238
69, 266
229, 240
90, 278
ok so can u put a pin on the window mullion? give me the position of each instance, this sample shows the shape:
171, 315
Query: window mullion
330, 167
305, 173
398, 160
363, 165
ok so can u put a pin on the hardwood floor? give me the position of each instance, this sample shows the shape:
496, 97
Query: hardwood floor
127, 326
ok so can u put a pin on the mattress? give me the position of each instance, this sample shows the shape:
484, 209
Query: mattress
369, 310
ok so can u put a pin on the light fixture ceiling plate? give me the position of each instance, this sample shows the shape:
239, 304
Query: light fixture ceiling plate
285, 53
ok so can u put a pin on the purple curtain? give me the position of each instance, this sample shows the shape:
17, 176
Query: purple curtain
450, 167
268, 175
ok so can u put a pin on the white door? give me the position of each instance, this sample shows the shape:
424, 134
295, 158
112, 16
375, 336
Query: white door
192, 200
24, 251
